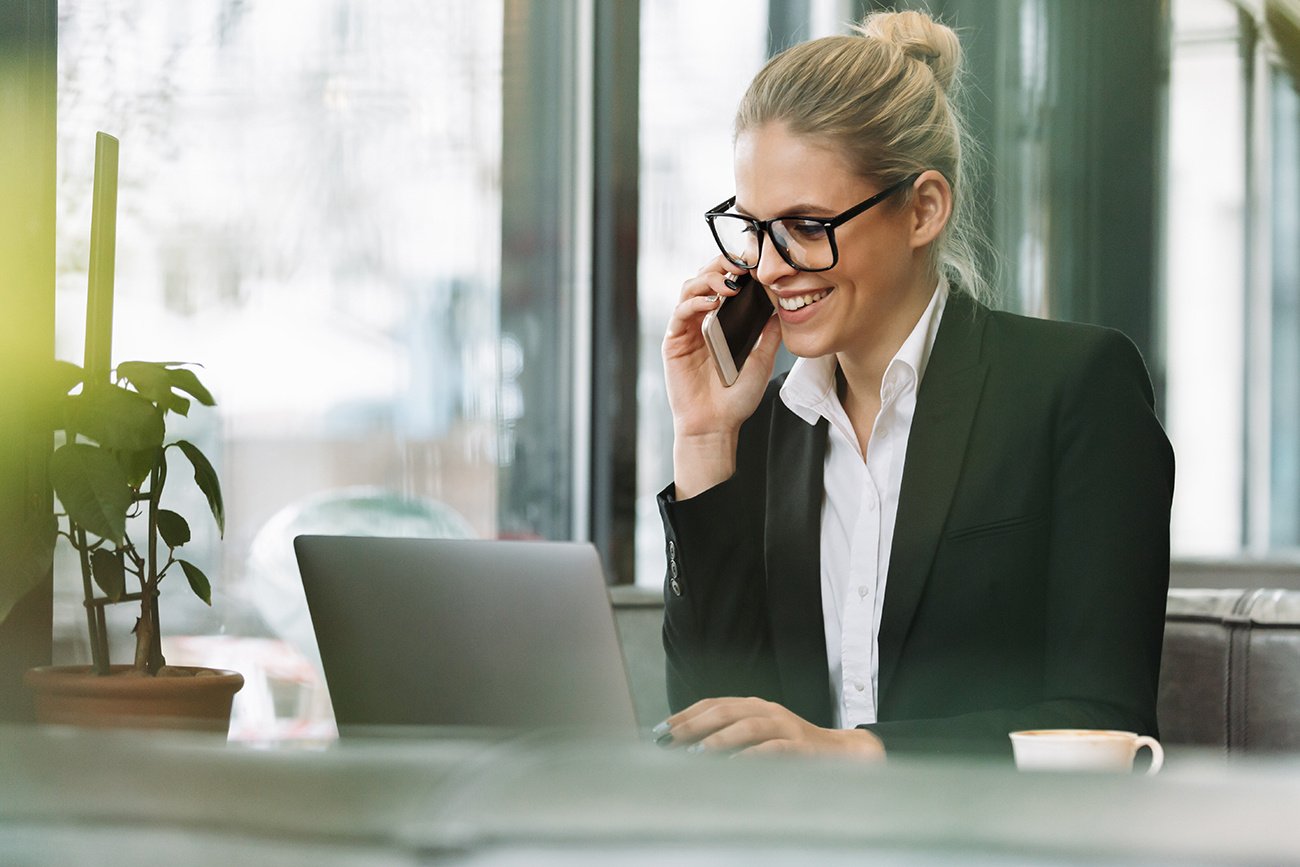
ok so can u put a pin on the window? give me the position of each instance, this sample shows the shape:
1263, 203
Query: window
1231, 285
310, 207
709, 52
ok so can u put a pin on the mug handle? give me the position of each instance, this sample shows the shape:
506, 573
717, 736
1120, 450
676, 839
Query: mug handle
1157, 752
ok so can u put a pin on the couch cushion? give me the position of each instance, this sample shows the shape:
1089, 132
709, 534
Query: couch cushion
1230, 676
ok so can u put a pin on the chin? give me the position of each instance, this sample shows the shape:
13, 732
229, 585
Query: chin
804, 345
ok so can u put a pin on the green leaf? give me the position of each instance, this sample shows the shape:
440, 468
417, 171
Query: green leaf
187, 381
149, 378
117, 418
162, 476
154, 381
173, 528
106, 567
206, 478
198, 581
62, 377
138, 465
93, 489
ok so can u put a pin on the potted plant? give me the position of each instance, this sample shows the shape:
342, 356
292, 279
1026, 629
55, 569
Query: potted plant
109, 474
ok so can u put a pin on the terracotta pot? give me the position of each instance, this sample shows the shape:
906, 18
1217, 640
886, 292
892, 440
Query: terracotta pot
193, 699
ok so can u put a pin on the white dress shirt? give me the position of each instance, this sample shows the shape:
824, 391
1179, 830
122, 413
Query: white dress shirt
860, 507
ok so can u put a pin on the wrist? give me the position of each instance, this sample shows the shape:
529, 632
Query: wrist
701, 461
863, 744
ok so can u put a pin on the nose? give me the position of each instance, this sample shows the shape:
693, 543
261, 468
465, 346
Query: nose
771, 267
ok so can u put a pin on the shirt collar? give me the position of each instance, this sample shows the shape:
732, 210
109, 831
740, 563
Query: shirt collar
811, 383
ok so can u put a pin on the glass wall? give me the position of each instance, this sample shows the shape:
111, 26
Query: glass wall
696, 60
310, 208
1232, 285
1205, 273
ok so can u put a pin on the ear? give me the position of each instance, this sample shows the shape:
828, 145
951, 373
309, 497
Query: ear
931, 207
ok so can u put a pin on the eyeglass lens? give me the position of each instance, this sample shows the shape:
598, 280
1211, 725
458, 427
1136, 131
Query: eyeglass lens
805, 244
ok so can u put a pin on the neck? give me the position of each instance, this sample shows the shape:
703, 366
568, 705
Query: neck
863, 367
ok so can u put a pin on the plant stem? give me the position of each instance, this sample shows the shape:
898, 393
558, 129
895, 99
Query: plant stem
94, 614
148, 640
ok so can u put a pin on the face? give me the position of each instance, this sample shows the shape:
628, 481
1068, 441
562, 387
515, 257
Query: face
875, 281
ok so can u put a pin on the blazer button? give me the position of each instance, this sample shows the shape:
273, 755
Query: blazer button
677, 588
672, 567
672, 549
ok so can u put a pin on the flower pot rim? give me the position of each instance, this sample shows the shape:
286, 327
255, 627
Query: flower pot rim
81, 680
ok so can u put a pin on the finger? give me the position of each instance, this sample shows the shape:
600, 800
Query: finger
743, 734
685, 316
728, 723
697, 721
712, 279
709, 705
772, 746
717, 263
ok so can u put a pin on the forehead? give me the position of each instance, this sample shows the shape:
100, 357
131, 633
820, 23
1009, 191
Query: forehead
778, 172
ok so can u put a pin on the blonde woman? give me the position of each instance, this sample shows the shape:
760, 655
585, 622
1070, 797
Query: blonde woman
946, 522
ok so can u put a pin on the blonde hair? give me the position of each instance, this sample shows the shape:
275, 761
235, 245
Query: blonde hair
886, 99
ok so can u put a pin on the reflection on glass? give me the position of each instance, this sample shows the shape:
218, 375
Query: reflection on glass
696, 60
309, 207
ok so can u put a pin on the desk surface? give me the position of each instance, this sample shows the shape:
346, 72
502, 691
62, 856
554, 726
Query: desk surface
457, 798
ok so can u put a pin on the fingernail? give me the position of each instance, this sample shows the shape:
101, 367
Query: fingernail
660, 730
664, 740
731, 283
695, 748
712, 299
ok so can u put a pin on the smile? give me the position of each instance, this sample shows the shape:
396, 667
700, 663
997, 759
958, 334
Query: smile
794, 302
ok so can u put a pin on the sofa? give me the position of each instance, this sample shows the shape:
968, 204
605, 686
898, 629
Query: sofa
1230, 674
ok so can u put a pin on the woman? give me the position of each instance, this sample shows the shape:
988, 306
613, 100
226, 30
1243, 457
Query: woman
946, 523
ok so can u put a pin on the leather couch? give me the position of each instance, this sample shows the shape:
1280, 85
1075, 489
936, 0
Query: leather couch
1230, 676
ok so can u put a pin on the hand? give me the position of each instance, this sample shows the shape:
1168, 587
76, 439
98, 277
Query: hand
707, 415
752, 725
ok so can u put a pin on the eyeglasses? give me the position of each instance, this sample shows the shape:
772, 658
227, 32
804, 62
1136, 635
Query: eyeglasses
805, 243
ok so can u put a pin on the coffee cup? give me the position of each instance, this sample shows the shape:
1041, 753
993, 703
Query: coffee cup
1082, 750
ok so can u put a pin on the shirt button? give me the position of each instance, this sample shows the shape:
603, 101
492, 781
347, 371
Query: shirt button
862, 591
871, 505
859, 686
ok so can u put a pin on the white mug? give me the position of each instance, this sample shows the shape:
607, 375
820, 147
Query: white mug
1082, 750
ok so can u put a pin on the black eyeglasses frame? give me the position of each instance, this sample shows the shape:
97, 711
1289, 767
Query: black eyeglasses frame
764, 227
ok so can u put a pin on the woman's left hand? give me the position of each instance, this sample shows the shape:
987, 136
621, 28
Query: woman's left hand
752, 725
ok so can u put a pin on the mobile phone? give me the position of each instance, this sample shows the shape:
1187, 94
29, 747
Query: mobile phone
732, 328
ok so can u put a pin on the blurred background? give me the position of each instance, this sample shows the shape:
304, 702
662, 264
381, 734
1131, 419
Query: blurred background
425, 253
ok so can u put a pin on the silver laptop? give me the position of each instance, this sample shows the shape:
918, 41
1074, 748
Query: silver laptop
452, 632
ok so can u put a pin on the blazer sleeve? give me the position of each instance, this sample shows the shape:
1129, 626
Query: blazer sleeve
715, 633
1107, 567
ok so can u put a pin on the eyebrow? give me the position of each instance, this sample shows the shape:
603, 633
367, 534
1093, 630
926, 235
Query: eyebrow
802, 209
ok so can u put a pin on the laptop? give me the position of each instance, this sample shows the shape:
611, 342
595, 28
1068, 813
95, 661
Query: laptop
454, 632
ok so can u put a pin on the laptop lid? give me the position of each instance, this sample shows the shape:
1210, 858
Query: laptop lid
454, 632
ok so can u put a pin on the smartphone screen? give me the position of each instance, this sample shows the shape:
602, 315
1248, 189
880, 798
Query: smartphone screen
738, 321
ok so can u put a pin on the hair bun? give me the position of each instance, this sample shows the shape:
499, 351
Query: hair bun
921, 37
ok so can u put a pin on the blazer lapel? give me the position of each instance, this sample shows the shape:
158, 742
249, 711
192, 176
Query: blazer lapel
796, 451
936, 448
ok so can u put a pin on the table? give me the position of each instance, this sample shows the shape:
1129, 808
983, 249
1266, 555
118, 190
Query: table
475, 798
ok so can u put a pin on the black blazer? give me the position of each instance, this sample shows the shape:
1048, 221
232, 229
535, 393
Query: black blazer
1030, 561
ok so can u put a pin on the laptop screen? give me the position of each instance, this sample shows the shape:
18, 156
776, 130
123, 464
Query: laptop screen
453, 632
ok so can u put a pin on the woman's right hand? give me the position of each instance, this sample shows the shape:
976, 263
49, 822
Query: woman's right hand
706, 414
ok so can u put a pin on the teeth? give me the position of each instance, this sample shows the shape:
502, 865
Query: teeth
796, 301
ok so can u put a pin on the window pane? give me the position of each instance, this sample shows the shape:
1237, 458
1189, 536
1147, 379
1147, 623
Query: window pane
1205, 268
309, 206
696, 60
1285, 250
